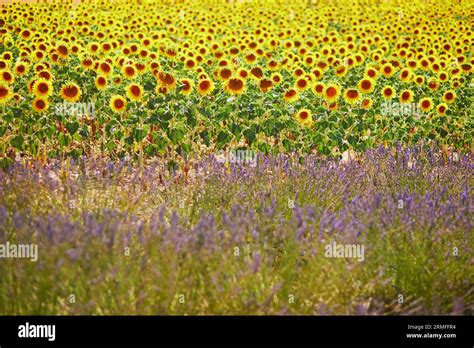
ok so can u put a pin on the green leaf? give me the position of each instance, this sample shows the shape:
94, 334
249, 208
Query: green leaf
17, 142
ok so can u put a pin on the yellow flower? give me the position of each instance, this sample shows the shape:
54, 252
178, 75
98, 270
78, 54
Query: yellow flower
351, 96
331, 92
426, 104
40, 104
134, 91
406, 96
101, 82
205, 87
304, 117
449, 96
71, 92
366, 85
187, 86
388, 92
42, 88
442, 108
118, 103
235, 86
5, 94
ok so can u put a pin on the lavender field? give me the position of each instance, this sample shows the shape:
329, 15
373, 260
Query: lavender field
213, 238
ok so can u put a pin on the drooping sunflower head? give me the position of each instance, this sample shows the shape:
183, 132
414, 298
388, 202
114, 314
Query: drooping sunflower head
166, 80
265, 85
235, 86
187, 86
291, 95
71, 92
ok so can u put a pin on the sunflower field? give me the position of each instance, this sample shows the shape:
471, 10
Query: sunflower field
209, 150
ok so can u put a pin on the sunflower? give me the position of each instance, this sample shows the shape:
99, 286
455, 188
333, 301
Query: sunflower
243, 73
205, 87
118, 103
5, 94
277, 78
367, 103
256, 73
426, 104
331, 92
387, 70
449, 96
45, 74
40, 104
7, 77
406, 75
304, 117
224, 74
62, 50
406, 96
388, 92
366, 85
443, 76
21, 68
166, 80
318, 88
420, 80
351, 96
187, 86
433, 84
101, 82
87, 62
291, 95
371, 72
442, 108
105, 68
265, 85
134, 91
71, 92
42, 88
129, 71
302, 84
235, 86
